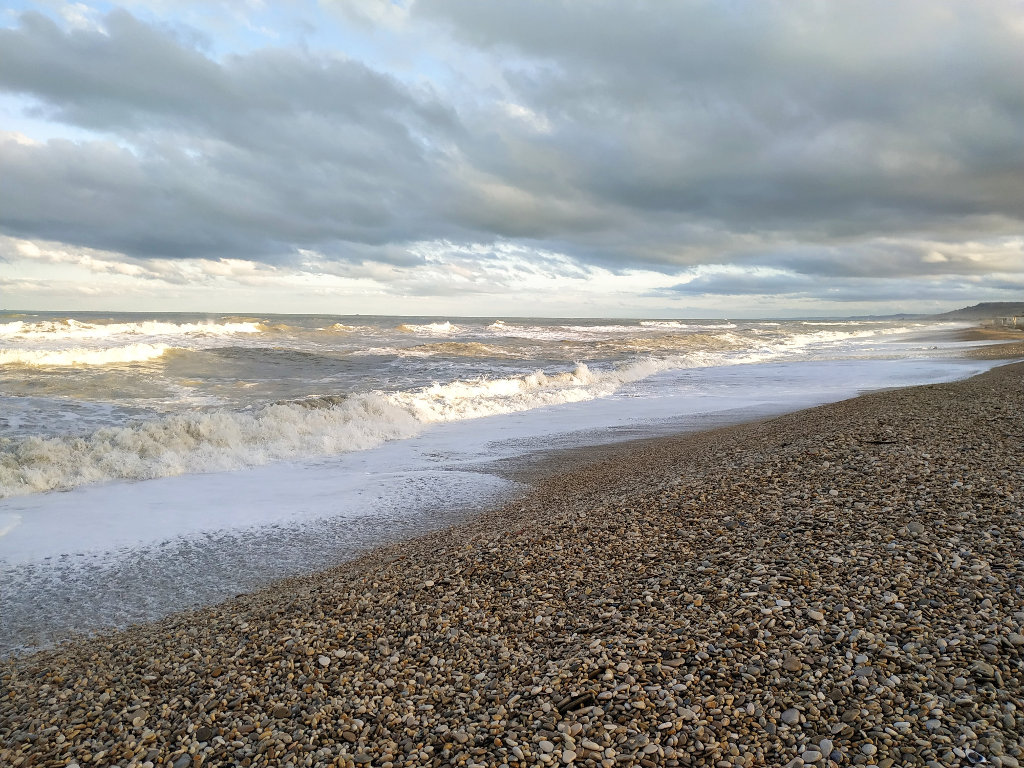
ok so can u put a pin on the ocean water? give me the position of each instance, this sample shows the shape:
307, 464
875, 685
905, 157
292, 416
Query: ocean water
240, 449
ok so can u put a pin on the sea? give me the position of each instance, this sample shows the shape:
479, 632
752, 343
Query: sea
155, 462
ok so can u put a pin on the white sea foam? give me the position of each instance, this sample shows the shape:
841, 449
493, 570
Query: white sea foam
430, 329
200, 442
76, 329
667, 324
223, 440
130, 353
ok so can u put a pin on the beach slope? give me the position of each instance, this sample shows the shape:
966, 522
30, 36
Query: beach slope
841, 585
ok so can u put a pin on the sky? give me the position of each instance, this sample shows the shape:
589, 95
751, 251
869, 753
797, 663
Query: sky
652, 158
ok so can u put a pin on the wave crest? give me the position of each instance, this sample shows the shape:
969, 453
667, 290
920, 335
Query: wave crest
219, 440
75, 329
434, 329
201, 442
130, 353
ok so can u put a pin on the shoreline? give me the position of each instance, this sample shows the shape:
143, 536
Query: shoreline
679, 602
104, 569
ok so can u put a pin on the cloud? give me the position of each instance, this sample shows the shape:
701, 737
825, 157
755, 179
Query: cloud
248, 158
819, 140
800, 120
730, 281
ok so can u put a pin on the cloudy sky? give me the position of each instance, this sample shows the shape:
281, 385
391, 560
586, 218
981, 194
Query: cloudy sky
557, 157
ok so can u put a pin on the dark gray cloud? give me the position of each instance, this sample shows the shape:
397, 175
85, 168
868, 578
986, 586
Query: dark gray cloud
825, 139
796, 121
250, 157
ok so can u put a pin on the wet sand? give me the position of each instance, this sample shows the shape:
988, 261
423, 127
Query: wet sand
843, 585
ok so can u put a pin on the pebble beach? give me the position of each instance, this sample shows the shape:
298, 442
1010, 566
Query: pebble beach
839, 586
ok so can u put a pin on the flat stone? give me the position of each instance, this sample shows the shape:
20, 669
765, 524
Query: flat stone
281, 711
791, 716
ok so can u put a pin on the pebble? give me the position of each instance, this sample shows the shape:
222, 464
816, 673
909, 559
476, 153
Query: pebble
659, 609
790, 716
792, 664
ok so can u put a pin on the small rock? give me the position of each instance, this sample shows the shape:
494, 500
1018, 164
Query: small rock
182, 761
281, 711
792, 664
984, 669
814, 615
546, 746
568, 756
869, 749
811, 756
791, 716
204, 734
915, 527
325, 661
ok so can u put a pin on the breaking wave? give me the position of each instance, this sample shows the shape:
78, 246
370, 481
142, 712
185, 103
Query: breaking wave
201, 442
76, 329
433, 329
669, 324
131, 353
220, 440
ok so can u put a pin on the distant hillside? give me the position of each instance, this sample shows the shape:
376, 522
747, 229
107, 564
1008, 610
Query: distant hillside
986, 311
